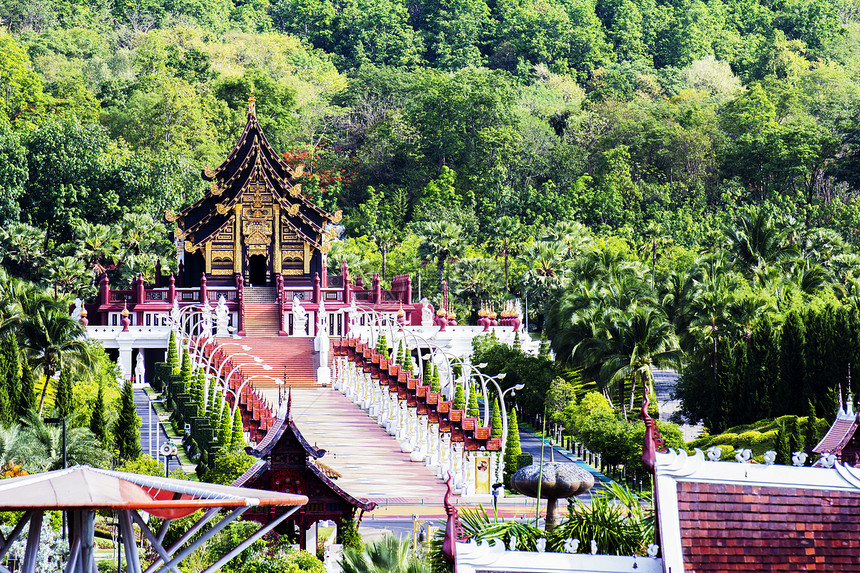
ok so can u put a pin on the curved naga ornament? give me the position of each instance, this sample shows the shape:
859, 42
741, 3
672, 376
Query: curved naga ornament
653, 441
453, 530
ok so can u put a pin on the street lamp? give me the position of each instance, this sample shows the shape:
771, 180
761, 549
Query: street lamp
256, 359
379, 321
151, 408
238, 391
185, 324
244, 347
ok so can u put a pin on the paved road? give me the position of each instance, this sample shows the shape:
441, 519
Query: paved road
157, 435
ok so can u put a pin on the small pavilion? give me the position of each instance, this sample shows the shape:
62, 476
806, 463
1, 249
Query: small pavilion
289, 464
841, 439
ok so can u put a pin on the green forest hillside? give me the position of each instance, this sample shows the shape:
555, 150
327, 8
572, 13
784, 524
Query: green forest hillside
684, 172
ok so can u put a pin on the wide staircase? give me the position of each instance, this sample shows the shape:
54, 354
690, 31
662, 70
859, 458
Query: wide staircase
292, 359
369, 460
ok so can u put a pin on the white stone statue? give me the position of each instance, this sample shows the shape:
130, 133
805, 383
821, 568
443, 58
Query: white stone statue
571, 545
769, 457
426, 313
206, 326
300, 318
541, 544
139, 367
799, 458
352, 315
715, 453
743, 456
76, 312
222, 318
321, 345
322, 319
174, 315
828, 460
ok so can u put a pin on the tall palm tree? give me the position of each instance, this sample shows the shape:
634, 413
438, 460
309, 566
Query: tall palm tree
441, 242
707, 317
54, 339
506, 243
385, 239
627, 343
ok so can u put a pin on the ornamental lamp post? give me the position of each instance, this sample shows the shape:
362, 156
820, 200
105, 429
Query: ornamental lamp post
238, 392
256, 359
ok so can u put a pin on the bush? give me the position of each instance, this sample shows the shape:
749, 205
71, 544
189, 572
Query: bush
285, 562
349, 536
145, 465
600, 429
766, 440
535, 373
228, 465
747, 438
524, 460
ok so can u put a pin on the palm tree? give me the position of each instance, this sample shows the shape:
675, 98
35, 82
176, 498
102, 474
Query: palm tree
97, 246
627, 344
755, 241
41, 446
477, 279
22, 249
575, 238
67, 273
385, 239
54, 339
386, 555
441, 242
509, 233
707, 316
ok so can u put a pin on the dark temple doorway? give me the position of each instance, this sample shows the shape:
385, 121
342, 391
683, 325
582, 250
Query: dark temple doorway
258, 271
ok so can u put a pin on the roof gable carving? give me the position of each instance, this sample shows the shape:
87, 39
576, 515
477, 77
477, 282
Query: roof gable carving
251, 163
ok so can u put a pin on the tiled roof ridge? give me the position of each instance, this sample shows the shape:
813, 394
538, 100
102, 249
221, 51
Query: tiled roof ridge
723, 516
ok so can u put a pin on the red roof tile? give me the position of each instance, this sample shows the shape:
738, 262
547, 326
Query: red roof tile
838, 435
768, 529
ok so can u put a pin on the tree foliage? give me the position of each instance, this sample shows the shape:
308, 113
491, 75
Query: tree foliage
126, 430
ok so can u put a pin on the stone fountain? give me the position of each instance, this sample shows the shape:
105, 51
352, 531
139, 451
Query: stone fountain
557, 481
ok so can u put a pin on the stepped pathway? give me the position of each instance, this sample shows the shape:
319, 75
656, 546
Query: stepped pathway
369, 460
288, 356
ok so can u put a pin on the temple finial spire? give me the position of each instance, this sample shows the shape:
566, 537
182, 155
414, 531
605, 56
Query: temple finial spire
841, 410
252, 105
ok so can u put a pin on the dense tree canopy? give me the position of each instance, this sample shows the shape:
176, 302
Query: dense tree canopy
660, 182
